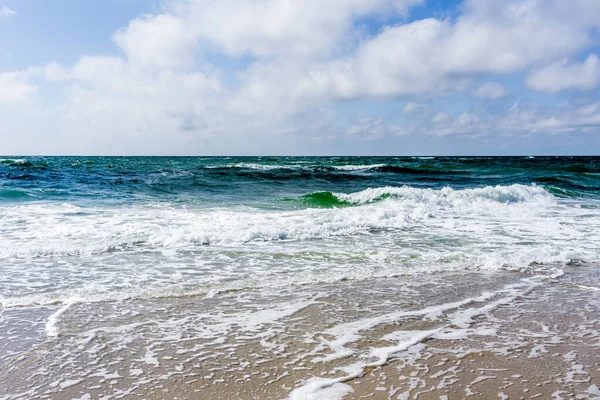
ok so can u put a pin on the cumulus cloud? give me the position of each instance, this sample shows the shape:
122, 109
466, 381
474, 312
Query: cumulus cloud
15, 88
110, 96
266, 28
158, 41
433, 55
565, 75
6, 12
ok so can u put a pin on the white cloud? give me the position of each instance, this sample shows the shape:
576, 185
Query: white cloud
565, 75
111, 97
15, 88
519, 119
6, 12
149, 90
433, 55
280, 27
552, 119
158, 41
366, 128
491, 90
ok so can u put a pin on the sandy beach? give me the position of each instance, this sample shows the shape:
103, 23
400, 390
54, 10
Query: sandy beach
524, 336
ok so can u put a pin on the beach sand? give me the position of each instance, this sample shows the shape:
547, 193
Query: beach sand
548, 349
520, 336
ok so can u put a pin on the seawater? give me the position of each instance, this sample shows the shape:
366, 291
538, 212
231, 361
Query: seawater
105, 248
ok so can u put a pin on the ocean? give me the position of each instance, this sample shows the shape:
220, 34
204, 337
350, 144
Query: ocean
278, 277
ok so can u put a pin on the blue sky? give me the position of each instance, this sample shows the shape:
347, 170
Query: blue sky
397, 77
63, 30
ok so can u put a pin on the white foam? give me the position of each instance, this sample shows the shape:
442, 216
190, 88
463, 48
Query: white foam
319, 389
586, 287
150, 359
66, 229
358, 167
258, 167
263, 167
69, 382
269, 167
593, 390
18, 161
457, 326
52, 329
50, 251
350, 332
211, 326
458, 199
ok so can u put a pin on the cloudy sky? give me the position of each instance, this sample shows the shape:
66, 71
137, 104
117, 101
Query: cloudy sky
292, 77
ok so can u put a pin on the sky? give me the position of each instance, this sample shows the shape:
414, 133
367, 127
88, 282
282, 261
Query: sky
289, 77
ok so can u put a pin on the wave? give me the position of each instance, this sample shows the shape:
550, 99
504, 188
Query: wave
157, 249
15, 161
318, 200
295, 167
131, 178
565, 183
384, 168
24, 163
13, 194
259, 167
424, 165
65, 229
415, 171
359, 167
500, 194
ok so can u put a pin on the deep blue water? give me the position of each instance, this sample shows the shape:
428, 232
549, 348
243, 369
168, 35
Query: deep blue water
268, 180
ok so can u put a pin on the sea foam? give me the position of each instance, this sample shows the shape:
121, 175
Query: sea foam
160, 249
58, 229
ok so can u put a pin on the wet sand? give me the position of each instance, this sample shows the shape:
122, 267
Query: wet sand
443, 336
549, 349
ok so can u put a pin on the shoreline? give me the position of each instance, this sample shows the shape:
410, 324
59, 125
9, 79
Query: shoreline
457, 335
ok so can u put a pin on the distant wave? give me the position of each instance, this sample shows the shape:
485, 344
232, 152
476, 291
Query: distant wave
359, 167
16, 162
302, 167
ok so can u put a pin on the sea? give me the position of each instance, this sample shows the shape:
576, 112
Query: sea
159, 277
